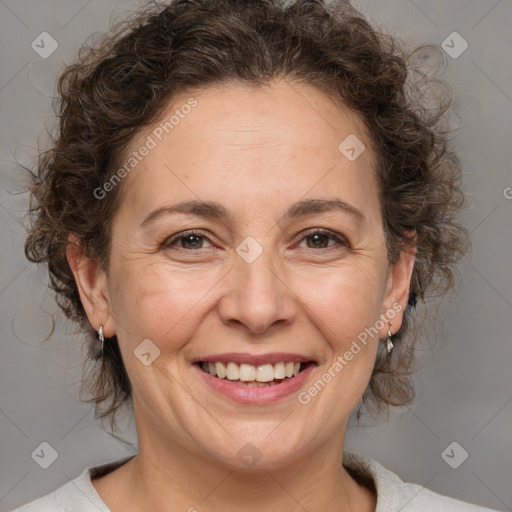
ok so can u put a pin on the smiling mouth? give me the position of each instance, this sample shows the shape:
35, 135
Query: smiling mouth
248, 375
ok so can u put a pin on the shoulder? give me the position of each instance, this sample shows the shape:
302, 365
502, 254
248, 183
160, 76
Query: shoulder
77, 494
393, 494
416, 498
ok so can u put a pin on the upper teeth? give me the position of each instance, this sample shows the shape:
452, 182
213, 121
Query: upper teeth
249, 373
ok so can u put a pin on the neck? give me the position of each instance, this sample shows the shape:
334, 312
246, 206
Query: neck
166, 476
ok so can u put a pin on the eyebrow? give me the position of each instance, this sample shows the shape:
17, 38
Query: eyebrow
213, 210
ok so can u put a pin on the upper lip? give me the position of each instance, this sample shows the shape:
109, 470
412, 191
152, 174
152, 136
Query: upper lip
254, 359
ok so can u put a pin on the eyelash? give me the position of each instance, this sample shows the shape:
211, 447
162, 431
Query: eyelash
309, 233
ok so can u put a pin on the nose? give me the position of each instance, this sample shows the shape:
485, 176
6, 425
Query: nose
258, 297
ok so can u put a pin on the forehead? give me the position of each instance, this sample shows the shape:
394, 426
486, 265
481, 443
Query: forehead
280, 139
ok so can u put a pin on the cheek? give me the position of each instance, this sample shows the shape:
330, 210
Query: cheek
162, 304
166, 303
343, 307
341, 302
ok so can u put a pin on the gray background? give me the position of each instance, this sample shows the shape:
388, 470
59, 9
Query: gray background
464, 388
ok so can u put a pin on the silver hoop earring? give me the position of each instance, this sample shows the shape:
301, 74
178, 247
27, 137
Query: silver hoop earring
101, 337
389, 341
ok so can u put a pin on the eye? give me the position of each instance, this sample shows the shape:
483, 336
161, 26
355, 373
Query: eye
195, 240
321, 238
188, 240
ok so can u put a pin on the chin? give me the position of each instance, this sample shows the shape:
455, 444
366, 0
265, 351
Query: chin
256, 454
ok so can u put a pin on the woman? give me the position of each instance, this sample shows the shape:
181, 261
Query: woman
246, 206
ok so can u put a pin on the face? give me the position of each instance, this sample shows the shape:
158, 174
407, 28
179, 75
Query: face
246, 236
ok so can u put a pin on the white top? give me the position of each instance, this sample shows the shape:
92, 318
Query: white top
393, 495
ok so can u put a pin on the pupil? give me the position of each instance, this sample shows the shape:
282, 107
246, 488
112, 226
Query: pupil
192, 241
318, 240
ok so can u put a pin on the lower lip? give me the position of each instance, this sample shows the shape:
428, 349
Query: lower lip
256, 395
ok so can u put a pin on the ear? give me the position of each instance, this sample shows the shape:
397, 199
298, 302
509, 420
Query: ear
397, 291
92, 286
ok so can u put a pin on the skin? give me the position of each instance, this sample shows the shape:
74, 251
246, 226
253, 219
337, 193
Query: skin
256, 152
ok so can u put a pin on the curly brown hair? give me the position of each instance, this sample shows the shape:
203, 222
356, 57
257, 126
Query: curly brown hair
123, 83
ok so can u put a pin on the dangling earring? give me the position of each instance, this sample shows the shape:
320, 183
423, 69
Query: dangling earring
101, 337
389, 341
